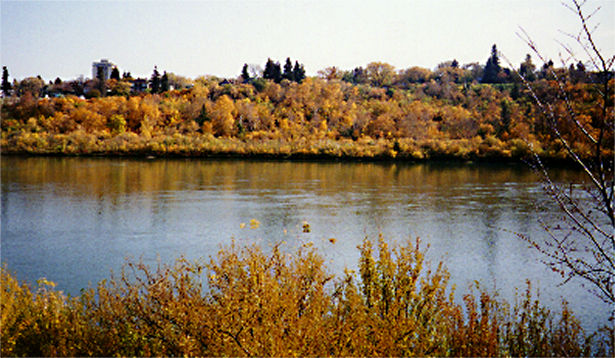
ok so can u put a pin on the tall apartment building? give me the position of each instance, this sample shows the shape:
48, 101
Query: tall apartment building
105, 66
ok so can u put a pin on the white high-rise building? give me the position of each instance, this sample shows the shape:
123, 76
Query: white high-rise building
105, 66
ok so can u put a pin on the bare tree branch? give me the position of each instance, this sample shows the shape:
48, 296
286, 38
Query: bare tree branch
583, 243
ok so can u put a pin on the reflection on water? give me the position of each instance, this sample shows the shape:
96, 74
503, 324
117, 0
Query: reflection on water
73, 220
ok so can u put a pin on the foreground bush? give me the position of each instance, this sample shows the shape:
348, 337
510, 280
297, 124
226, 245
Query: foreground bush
248, 303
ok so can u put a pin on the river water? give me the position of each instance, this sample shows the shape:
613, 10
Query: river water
73, 220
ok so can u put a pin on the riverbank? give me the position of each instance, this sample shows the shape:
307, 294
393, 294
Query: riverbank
316, 119
208, 146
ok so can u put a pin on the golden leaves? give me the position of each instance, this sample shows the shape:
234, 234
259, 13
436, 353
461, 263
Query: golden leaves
282, 303
315, 118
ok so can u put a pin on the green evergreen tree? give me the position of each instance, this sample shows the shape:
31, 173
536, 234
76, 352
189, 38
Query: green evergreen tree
268, 73
492, 68
273, 71
202, 117
115, 74
288, 70
100, 75
6, 85
277, 72
164, 82
155, 80
298, 72
505, 117
102, 83
245, 76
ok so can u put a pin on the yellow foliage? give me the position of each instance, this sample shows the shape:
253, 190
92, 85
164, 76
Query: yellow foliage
117, 124
284, 304
307, 117
223, 116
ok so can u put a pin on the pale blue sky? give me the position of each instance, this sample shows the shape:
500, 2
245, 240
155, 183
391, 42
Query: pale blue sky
194, 38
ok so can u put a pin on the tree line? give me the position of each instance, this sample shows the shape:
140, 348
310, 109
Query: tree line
414, 113
376, 74
123, 86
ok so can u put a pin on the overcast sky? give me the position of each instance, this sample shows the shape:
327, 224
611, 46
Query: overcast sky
193, 38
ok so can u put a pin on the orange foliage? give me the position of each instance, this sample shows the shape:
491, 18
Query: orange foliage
445, 123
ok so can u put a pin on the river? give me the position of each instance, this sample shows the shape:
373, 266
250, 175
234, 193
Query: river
73, 220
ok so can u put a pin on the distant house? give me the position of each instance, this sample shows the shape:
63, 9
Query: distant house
226, 81
139, 85
105, 66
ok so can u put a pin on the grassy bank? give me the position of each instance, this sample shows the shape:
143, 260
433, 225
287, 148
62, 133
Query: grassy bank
179, 145
246, 302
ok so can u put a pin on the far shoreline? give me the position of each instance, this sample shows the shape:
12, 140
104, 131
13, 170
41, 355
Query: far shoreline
300, 157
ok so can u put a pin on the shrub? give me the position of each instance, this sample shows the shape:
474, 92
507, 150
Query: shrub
245, 302
117, 124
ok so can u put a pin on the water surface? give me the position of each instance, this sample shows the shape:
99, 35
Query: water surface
73, 220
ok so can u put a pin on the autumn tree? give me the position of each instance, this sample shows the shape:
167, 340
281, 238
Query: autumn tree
582, 244
223, 116
120, 88
354, 76
527, 68
331, 73
415, 75
546, 71
77, 87
359, 75
177, 81
449, 72
6, 85
475, 70
577, 73
255, 70
380, 74
32, 85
